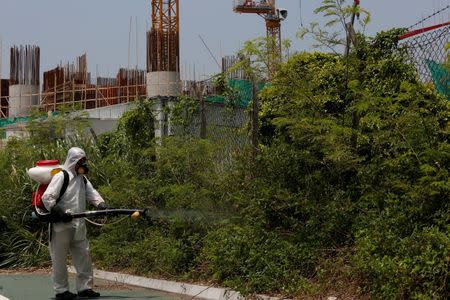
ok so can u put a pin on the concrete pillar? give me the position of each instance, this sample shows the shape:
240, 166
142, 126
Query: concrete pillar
22, 98
164, 84
160, 117
162, 106
162, 89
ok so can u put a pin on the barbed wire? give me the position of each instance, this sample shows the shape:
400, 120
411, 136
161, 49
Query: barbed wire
429, 17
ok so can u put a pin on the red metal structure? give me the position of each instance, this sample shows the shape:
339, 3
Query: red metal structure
253, 7
422, 30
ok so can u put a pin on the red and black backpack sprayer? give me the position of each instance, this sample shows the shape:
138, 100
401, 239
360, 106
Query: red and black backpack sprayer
43, 173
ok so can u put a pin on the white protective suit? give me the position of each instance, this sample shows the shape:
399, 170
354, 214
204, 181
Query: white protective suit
71, 236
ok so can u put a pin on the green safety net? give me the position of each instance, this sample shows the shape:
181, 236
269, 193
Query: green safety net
8, 122
244, 91
13, 121
441, 77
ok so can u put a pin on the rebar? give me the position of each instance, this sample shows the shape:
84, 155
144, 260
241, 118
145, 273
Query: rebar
163, 41
25, 64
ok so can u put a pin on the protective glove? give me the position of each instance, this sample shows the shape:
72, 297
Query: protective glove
58, 215
102, 206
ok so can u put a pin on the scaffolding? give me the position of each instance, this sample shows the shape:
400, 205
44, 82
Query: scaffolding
72, 84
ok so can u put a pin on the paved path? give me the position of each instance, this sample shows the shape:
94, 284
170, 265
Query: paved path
39, 287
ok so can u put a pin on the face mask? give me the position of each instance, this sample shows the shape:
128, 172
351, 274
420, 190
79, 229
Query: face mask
83, 168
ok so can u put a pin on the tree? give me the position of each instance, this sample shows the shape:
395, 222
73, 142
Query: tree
254, 60
339, 14
378, 187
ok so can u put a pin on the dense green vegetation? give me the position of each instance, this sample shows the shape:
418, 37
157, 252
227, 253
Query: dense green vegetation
351, 184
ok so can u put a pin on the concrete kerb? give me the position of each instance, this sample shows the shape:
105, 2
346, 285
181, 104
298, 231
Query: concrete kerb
186, 289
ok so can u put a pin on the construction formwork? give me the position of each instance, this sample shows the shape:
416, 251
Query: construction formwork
128, 85
131, 84
67, 84
71, 84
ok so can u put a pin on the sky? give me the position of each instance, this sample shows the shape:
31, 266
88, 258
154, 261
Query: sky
65, 29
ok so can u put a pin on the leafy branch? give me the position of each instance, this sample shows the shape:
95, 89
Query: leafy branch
339, 17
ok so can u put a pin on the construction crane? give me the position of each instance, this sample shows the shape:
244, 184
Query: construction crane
273, 17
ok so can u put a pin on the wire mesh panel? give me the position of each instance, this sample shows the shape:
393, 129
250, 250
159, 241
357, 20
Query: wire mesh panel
225, 120
225, 126
427, 50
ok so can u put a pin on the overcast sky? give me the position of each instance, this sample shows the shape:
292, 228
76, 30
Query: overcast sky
65, 29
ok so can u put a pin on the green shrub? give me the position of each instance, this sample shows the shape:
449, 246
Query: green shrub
142, 251
412, 267
254, 261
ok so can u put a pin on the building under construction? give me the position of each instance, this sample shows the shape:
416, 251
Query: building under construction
104, 97
71, 83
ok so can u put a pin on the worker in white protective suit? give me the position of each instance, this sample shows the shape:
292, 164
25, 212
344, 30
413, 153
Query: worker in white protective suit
70, 234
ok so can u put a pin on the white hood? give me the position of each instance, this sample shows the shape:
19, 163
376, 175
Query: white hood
73, 156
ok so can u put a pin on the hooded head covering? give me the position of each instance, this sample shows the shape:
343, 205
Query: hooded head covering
73, 156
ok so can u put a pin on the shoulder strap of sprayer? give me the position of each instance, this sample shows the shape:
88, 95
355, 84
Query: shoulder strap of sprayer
64, 186
61, 193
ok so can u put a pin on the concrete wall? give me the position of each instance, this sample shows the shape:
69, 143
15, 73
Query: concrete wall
105, 119
22, 98
102, 126
109, 112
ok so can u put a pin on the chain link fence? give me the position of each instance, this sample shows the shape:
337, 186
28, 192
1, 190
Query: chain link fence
427, 51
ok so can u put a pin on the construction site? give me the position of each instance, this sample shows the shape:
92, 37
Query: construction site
105, 98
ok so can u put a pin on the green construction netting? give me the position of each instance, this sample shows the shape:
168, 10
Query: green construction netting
441, 77
12, 121
7, 122
244, 91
